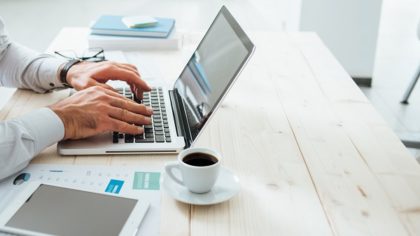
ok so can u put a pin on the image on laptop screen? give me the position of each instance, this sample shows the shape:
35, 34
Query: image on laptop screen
211, 69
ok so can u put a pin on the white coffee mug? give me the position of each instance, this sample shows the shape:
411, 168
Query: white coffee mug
197, 179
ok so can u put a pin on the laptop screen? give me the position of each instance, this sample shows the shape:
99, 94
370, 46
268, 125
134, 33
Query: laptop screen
212, 68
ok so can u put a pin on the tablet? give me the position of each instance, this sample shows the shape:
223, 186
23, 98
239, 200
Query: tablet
42, 209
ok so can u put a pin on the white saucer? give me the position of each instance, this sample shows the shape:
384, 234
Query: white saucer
226, 186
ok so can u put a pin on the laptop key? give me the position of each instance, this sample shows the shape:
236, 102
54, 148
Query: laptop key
147, 140
129, 138
149, 135
159, 132
168, 140
160, 139
115, 137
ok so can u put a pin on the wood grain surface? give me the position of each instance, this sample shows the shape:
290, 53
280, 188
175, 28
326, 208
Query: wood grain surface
312, 154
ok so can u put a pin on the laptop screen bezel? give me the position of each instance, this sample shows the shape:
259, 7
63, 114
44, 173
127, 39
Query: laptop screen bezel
250, 47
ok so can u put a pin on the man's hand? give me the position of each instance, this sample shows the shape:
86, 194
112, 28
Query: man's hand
87, 74
96, 110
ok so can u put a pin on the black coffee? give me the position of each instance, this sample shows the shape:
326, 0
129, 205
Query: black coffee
199, 159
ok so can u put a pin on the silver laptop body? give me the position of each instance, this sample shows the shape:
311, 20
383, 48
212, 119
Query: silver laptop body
182, 112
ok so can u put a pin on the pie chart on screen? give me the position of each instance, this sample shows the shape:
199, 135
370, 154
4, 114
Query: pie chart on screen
23, 177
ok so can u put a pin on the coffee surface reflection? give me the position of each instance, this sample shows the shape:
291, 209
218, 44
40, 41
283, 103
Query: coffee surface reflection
199, 159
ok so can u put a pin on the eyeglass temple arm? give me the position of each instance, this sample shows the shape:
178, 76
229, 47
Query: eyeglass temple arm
101, 51
62, 55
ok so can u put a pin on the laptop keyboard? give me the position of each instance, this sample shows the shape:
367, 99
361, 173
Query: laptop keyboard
158, 131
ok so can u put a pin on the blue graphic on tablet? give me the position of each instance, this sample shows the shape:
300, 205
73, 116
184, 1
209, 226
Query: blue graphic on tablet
114, 186
20, 179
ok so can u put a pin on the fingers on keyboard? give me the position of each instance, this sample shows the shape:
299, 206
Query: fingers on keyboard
158, 131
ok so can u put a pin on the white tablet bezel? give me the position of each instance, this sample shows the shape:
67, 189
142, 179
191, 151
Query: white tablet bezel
130, 227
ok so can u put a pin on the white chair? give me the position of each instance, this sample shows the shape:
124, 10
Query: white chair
415, 79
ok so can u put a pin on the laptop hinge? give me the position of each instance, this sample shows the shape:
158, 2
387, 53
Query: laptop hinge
181, 122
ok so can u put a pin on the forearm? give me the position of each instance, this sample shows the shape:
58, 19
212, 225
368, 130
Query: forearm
21, 67
23, 138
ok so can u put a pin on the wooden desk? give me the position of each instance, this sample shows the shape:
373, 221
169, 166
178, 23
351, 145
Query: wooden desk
313, 156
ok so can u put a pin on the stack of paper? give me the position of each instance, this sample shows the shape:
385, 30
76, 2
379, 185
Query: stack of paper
122, 43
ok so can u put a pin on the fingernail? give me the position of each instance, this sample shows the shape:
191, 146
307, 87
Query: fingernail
141, 130
148, 120
149, 109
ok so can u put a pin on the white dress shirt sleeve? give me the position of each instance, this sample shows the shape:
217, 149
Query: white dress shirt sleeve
21, 67
24, 137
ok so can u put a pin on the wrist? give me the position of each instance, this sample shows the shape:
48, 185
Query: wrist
59, 72
61, 114
64, 72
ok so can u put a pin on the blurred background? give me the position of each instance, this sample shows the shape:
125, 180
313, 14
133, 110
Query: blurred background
375, 40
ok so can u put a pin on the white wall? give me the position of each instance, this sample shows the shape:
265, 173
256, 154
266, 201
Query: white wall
348, 27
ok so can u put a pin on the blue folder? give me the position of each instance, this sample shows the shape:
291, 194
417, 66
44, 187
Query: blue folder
113, 25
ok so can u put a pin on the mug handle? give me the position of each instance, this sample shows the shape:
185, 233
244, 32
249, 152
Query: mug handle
169, 171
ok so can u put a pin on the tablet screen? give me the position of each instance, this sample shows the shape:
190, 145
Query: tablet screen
63, 211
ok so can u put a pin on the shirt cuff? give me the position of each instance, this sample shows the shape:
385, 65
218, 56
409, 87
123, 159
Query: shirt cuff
46, 127
49, 69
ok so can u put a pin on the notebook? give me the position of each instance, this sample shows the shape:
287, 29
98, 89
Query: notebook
113, 25
123, 43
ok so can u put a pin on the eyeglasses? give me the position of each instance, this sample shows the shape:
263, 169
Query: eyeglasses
91, 54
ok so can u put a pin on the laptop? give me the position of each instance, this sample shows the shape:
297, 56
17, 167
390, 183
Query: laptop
182, 112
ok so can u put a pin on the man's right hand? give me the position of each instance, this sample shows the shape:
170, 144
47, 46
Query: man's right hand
96, 110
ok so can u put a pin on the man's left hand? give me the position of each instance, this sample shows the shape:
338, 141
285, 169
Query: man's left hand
87, 74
